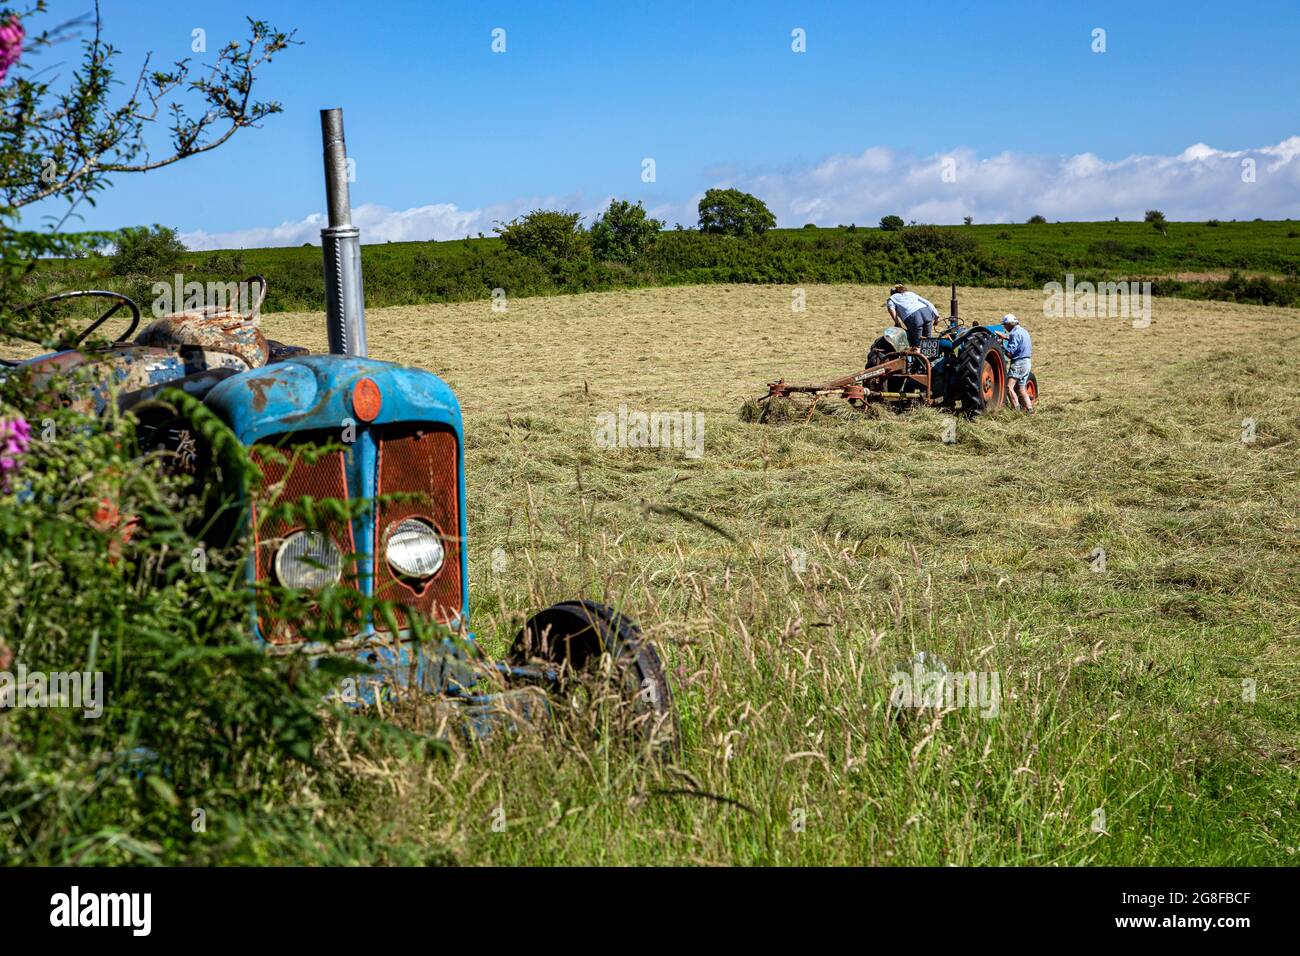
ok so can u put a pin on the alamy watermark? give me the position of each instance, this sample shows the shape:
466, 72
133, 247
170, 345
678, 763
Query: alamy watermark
1087, 300
193, 296
74, 908
78, 690
625, 429
934, 686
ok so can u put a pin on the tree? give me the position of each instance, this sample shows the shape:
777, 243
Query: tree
733, 213
1037, 220
144, 251
552, 237
68, 142
968, 219
1157, 220
623, 232
891, 223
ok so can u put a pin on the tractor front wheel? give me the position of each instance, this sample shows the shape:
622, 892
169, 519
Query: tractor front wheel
574, 637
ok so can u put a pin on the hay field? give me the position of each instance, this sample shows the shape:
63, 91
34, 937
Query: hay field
1148, 711
708, 347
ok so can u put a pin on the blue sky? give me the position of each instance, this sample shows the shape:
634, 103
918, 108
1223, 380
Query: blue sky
449, 135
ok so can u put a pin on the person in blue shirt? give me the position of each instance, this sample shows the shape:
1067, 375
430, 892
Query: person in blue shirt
1020, 349
909, 311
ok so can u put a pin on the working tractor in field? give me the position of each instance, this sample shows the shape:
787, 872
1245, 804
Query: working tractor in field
342, 427
961, 368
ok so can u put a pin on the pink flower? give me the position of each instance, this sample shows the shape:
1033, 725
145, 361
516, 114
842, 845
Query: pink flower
15, 437
12, 36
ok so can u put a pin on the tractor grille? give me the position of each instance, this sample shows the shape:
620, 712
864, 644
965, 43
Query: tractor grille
421, 460
296, 477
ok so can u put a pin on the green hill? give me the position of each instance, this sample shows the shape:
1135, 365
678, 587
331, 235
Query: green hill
1255, 262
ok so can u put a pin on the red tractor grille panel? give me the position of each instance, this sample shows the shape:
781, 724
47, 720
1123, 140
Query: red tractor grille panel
424, 462
296, 477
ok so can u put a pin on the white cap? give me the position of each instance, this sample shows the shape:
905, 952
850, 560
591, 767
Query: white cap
1010, 319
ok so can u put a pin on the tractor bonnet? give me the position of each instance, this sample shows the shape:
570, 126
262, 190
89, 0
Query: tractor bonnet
319, 392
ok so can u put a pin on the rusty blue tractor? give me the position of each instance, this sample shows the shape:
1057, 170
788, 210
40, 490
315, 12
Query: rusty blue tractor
393, 441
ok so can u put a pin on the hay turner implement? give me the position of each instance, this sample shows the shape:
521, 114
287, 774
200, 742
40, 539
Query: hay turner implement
911, 372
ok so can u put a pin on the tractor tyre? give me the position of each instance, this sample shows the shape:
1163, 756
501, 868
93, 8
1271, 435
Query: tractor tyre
981, 379
1031, 386
192, 443
574, 637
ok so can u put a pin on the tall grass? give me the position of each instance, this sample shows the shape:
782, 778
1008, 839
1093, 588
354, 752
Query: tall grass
1122, 691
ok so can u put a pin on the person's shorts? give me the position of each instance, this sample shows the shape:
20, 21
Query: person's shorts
919, 323
1020, 369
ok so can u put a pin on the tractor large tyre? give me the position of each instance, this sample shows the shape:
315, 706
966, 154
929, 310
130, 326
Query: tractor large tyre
573, 636
981, 376
193, 443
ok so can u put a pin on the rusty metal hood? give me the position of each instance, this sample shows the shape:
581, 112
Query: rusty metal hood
313, 392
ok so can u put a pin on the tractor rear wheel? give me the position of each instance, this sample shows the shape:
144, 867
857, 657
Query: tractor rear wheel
981, 380
574, 636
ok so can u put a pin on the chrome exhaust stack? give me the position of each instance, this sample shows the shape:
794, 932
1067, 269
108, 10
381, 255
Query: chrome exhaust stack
345, 303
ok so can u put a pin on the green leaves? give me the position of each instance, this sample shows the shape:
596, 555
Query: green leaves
734, 213
145, 250
69, 142
624, 232
553, 238
216, 721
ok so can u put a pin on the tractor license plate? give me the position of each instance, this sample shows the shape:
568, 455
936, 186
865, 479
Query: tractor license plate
931, 348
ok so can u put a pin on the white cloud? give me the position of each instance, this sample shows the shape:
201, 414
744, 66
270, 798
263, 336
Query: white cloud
377, 224
1201, 182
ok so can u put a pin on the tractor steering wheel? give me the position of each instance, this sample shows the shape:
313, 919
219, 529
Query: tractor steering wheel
120, 300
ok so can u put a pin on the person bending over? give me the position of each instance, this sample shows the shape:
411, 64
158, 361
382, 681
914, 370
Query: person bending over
911, 312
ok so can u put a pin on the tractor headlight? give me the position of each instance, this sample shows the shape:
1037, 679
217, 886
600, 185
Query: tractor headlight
308, 560
413, 548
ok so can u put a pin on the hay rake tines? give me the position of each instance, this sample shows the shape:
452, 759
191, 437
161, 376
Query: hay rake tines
860, 388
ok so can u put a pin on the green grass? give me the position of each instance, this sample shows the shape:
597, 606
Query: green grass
1136, 248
